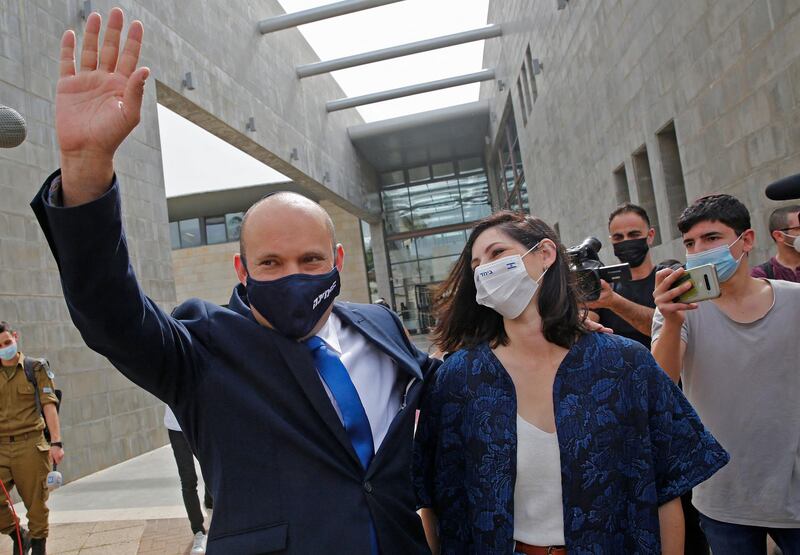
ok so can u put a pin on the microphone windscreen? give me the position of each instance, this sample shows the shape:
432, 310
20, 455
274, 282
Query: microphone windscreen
787, 188
12, 128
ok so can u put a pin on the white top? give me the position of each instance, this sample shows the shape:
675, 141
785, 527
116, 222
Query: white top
538, 506
375, 375
170, 421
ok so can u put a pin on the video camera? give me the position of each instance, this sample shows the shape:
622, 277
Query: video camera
589, 270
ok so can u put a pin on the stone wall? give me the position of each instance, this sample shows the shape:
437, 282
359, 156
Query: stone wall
618, 73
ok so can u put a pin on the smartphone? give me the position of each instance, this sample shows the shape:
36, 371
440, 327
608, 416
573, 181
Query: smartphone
705, 284
615, 273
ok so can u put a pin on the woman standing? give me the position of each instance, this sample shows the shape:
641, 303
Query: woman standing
537, 437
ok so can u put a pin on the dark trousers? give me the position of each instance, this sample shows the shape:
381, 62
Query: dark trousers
185, 460
739, 539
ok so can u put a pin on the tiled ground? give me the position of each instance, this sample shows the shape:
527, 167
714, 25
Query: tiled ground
123, 537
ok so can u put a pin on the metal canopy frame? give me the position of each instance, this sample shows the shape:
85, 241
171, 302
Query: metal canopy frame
289, 20
352, 102
318, 68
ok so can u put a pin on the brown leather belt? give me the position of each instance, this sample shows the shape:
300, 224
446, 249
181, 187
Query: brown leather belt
520, 547
20, 437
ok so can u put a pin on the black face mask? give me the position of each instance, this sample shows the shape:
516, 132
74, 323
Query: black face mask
294, 304
632, 251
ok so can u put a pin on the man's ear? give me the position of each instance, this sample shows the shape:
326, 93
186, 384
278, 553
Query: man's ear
339, 262
239, 266
777, 236
651, 236
748, 240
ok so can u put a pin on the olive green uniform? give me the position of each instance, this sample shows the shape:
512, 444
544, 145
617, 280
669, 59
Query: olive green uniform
24, 453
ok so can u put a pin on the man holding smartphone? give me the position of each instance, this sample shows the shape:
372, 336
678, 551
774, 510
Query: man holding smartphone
738, 358
627, 306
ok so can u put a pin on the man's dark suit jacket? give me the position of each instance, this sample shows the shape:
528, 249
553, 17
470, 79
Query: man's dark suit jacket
283, 472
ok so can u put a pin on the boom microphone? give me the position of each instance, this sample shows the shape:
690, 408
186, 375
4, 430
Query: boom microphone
787, 188
12, 128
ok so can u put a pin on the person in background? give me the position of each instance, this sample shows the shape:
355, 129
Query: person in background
784, 228
737, 357
25, 455
627, 306
188, 475
536, 436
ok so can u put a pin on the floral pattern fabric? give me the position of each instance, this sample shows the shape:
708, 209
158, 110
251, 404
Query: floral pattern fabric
628, 438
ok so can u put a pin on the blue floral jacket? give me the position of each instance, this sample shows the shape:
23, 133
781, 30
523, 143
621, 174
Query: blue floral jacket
629, 442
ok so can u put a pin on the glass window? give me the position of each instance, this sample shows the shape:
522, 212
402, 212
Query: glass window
405, 274
215, 230
369, 261
422, 173
435, 270
175, 235
443, 170
436, 204
401, 250
190, 233
523, 192
396, 199
398, 221
470, 165
234, 224
475, 197
406, 306
441, 244
392, 178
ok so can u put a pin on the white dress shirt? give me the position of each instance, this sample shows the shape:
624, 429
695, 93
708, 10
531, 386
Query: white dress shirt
374, 375
170, 421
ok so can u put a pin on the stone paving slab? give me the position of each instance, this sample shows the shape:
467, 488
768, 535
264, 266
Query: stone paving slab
132, 537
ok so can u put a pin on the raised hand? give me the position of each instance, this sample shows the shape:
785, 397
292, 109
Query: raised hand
97, 106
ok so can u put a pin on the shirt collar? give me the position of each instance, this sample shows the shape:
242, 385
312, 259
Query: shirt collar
330, 333
11, 370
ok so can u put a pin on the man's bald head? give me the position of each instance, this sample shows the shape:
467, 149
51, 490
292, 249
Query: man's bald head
286, 200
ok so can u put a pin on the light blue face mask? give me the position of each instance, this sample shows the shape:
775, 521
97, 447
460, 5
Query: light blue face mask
722, 259
9, 352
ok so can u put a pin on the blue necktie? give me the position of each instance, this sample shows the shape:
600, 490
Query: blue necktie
354, 417
356, 423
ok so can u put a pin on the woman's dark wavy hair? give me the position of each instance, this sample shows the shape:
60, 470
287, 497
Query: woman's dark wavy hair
463, 323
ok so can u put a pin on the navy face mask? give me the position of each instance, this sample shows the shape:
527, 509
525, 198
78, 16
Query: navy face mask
294, 304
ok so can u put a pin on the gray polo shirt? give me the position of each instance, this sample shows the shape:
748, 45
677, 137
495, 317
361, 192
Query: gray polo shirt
744, 382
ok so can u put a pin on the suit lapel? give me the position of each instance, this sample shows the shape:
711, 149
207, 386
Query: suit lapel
379, 337
302, 366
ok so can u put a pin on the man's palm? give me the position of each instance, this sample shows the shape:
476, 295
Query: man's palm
99, 105
90, 112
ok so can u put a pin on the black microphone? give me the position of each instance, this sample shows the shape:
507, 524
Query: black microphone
12, 128
787, 188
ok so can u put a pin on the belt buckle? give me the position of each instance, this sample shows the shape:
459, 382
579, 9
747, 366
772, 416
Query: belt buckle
551, 549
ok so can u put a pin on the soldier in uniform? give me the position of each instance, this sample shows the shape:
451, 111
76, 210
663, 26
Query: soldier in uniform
25, 455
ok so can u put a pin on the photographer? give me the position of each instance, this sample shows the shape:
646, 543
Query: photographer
627, 307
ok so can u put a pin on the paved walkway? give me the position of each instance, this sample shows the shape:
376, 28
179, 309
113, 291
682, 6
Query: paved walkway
133, 508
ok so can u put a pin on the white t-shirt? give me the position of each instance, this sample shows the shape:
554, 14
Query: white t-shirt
744, 382
538, 504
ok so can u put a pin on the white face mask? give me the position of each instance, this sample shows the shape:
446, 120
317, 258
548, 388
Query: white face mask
505, 286
793, 241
